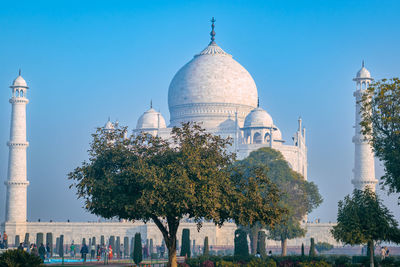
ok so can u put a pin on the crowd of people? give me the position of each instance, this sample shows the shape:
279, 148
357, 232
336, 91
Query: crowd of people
43, 252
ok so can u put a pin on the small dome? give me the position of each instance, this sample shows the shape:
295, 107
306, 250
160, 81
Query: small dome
363, 73
19, 82
277, 135
109, 125
151, 119
258, 117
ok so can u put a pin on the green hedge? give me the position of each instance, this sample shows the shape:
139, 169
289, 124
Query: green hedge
16, 257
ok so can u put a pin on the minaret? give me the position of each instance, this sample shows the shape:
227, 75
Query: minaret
364, 169
17, 182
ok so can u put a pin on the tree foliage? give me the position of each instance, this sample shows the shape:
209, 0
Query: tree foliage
149, 178
297, 196
363, 219
381, 126
323, 246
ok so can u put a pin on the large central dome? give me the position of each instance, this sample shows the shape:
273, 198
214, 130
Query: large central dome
210, 89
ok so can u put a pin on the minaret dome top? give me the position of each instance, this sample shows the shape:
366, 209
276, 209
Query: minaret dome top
19, 82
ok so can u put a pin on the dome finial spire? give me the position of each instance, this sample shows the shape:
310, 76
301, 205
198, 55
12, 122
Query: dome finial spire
212, 33
19, 72
151, 103
363, 63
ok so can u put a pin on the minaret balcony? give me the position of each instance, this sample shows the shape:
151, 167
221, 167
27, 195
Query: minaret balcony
17, 144
16, 183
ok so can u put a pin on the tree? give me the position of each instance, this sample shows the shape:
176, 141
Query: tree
143, 177
206, 249
380, 109
363, 219
297, 196
302, 249
241, 245
185, 248
261, 243
312, 248
323, 246
137, 249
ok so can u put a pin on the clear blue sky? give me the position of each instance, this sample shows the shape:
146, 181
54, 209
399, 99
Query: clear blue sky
87, 60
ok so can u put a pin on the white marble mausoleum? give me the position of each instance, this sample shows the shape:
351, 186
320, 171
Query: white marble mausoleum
212, 89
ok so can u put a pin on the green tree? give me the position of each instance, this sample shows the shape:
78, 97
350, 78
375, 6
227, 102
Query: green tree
241, 245
149, 178
185, 248
312, 248
323, 246
297, 196
363, 219
206, 249
302, 249
380, 109
137, 249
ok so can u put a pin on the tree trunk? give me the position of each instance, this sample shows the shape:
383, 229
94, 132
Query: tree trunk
284, 246
253, 239
371, 253
172, 252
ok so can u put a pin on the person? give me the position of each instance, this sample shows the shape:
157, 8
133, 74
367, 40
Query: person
258, 255
270, 253
92, 251
110, 252
20, 247
34, 250
383, 253
5, 240
42, 252
98, 253
387, 251
72, 248
48, 251
84, 252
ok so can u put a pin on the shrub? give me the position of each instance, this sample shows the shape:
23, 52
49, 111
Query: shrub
342, 260
241, 245
223, 263
256, 263
185, 249
137, 250
19, 258
312, 248
206, 249
270, 263
207, 263
323, 246
314, 264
